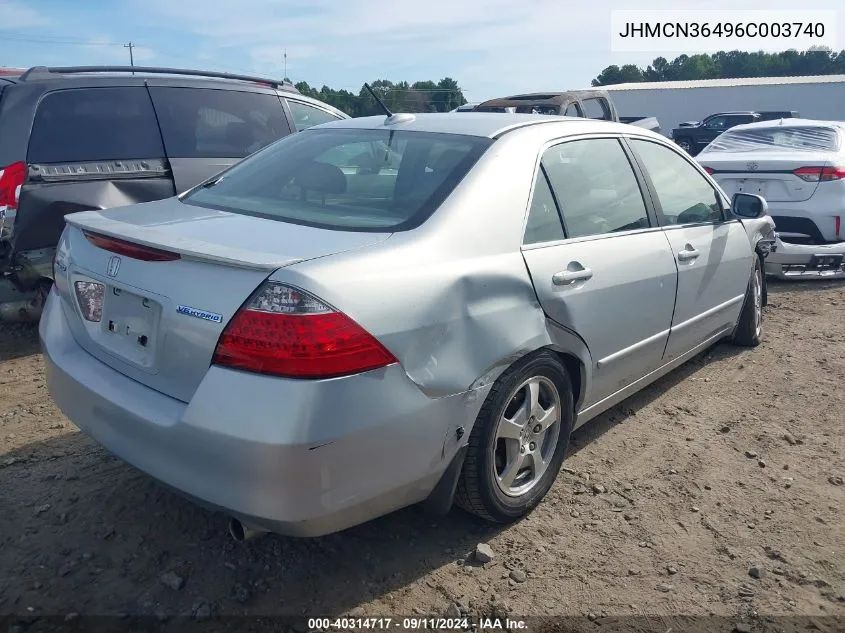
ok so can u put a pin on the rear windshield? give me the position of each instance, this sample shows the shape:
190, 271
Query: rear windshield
94, 124
352, 180
809, 139
208, 123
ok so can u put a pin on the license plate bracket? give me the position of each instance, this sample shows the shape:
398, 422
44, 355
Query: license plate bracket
832, 262
129, 326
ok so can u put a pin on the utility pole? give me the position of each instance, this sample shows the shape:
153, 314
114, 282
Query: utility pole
286, 66
130, 46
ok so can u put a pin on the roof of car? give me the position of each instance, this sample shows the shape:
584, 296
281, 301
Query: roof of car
44, 79
789, 122
486, 124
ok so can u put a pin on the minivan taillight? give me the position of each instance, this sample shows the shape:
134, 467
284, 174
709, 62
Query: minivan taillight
11, 181
284, 331
820, 174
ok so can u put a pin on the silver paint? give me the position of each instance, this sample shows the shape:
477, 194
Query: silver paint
456, 300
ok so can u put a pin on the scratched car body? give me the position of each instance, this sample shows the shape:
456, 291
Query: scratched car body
393, 310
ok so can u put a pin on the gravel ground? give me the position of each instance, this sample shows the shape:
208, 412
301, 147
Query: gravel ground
718, 490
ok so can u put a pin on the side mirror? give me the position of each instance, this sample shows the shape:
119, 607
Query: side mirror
749, 206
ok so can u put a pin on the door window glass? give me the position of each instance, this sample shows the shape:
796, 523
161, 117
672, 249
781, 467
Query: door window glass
543, 223
685, 195
207, 123
305, 116
595, 186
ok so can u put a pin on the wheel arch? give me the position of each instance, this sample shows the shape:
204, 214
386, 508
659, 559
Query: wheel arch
575, 356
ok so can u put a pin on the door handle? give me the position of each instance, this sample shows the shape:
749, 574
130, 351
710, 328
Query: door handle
688, 254
568, 277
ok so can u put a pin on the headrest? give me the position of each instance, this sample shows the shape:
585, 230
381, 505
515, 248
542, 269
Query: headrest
321, 177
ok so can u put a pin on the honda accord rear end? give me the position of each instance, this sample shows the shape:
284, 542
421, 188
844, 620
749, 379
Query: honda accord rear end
178, 335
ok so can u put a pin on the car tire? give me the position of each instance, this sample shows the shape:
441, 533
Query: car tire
497, 443
749, 329
685, 144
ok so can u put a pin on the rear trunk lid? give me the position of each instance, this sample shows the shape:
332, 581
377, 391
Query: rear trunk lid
771, 175
160, 320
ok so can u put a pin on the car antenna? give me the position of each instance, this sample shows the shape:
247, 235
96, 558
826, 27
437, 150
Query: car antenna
379, 101
391, 118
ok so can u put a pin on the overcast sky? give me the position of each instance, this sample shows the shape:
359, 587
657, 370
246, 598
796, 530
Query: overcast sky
492, 47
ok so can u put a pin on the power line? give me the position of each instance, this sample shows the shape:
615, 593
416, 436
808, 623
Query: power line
57, 40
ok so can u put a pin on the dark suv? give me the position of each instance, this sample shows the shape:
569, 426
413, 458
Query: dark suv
82, 138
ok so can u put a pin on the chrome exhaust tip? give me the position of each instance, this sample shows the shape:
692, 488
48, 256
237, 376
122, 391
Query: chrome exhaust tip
240, 532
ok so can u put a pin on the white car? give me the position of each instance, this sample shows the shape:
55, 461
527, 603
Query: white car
798, 166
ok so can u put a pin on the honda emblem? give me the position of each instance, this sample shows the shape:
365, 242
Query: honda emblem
113, 267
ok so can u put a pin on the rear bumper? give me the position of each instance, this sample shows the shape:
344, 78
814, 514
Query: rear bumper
802, 261
817, 224
302, 458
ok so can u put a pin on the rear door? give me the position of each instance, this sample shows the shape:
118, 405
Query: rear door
606, 273
90, 148
207, 130
714, 258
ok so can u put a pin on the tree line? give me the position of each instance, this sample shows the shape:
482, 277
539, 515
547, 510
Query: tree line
420, 96
729, 64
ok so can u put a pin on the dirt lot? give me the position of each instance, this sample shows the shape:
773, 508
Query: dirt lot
666, 505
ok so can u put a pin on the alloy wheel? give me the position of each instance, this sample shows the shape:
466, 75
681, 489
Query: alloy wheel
527, 435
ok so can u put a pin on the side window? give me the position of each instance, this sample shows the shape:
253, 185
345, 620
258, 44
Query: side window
741, 120
717, 123
95, 124
685, 195
572, 110
305, 116
543, 223
595, 186
208, 123
595, 109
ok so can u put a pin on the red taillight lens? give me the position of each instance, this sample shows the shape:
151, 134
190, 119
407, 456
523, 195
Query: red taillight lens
130, 249
11, 181
286, 332
820, 174
709, 171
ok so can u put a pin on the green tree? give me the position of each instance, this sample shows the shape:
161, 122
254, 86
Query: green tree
402, 96
818, 60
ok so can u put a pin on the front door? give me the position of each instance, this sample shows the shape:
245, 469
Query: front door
713, 254
605, 272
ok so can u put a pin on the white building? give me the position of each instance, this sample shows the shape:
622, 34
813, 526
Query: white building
814, 97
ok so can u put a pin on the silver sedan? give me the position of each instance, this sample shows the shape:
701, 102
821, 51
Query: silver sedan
382, 311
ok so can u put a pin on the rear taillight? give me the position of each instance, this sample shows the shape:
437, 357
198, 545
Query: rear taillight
130, 249
287, 332
820, 174
11, 181
709, 171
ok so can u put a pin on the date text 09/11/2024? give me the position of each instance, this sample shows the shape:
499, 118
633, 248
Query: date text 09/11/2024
415, 623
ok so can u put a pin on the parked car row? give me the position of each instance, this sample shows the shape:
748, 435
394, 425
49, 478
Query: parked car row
98, 137
389, 310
